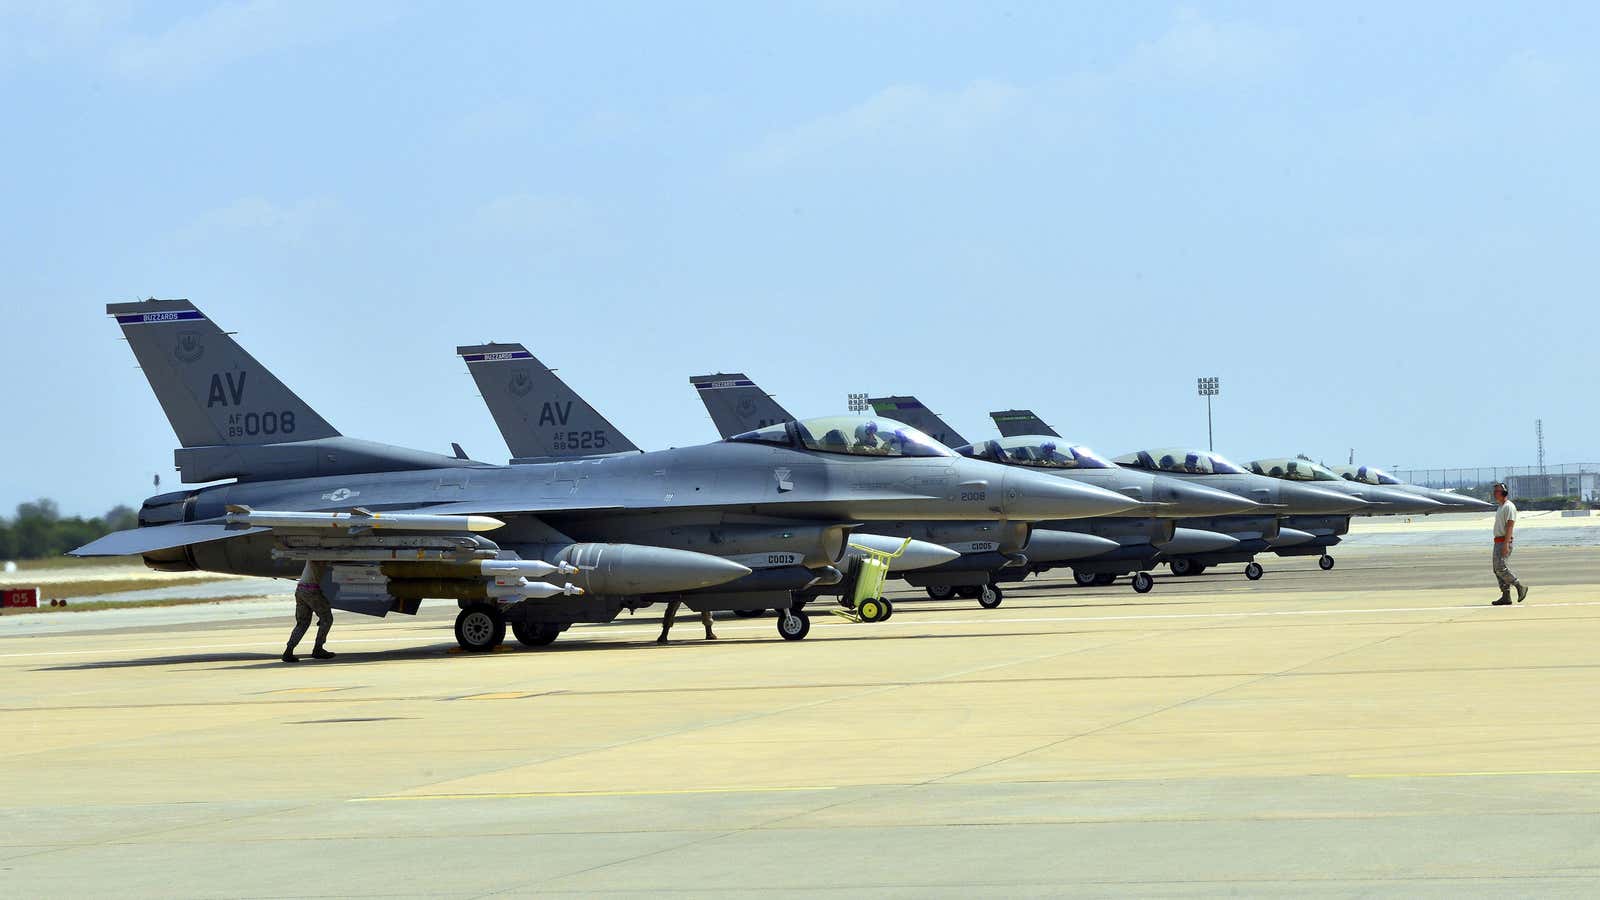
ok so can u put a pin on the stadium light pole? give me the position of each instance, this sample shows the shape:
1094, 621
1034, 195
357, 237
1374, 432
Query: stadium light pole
1209, 387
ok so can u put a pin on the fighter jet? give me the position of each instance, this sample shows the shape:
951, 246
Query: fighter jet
543, 419
1292, 500
737, 405
734, 402
1372, 475
1325, 531
574, 541
1142, 539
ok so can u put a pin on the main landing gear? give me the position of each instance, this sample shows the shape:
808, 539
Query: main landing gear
940, 591
480, 628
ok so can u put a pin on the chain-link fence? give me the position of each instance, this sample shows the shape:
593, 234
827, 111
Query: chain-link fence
1577, 480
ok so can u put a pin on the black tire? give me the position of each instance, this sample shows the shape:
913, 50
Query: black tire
989, 596
1143, 582
1325, 562
967, 592
870, 610
1182, 567
1254, 571
1084, 579
1199, 569
1105, 579
940, 591
888, 610
480, 628
531, 634
749, 613
794, 626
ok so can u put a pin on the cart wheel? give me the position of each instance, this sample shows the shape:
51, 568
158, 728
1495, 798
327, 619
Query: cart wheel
1325, 563
888, 610
1254, 571
870, 610
941, 591
793, 626
989, 596
1143, 582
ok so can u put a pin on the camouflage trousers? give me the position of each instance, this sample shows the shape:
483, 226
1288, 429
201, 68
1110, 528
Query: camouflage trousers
308, 600
1502, 572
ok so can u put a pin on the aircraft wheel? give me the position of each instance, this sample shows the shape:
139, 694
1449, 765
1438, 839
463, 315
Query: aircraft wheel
870, 610
480, 628
535, 635
1182, 567
1143, 582
1198, 569
989, 596
941, 591
1105, 579
794, 626
967, 592
888, 610
749, 613
1325, 563
1254, 571
1084, 579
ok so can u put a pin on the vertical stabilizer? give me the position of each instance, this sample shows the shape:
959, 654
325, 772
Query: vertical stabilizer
539, 416
911, 411
1013, 422
213, 392
736, 405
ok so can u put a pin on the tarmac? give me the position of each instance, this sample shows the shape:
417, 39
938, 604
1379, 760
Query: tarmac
1373, 730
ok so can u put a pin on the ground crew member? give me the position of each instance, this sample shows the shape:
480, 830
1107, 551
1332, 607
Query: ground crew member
1505, 523
672, 615
308, 599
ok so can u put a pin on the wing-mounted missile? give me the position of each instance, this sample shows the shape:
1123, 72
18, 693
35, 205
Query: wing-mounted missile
357, 521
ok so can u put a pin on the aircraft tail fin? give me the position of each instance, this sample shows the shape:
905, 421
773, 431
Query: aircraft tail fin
1013, 422
213, 392
539, 416
736, 404
911, 411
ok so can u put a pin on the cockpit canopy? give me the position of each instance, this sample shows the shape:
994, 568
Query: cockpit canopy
851, 435
1040, 451
1178, 459
1368, 475
1293, 469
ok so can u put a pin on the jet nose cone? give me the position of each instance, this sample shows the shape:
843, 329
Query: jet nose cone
1461, 502
1312, 501
916, 555
1186, 541
1046, 545
1190, 499
1400, 503
1035, 496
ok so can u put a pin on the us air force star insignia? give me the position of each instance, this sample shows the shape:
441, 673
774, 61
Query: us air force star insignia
188, 348
340, 495
521, 383
782, 475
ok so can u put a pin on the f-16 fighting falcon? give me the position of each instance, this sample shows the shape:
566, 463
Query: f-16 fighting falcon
1372, 475
574, 541
1325, 530
1142, 540
543, 419
734, 401
1299, 516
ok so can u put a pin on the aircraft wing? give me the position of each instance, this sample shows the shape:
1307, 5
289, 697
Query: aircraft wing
160, 537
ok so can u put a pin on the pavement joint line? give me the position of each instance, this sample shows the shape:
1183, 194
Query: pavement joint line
533, 795
986, 620
1509, 774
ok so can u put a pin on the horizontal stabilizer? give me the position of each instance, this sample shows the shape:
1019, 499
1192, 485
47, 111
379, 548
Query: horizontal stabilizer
160, 537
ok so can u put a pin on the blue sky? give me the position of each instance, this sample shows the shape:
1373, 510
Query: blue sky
1338, 209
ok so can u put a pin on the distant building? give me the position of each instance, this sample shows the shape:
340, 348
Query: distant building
1582, 485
